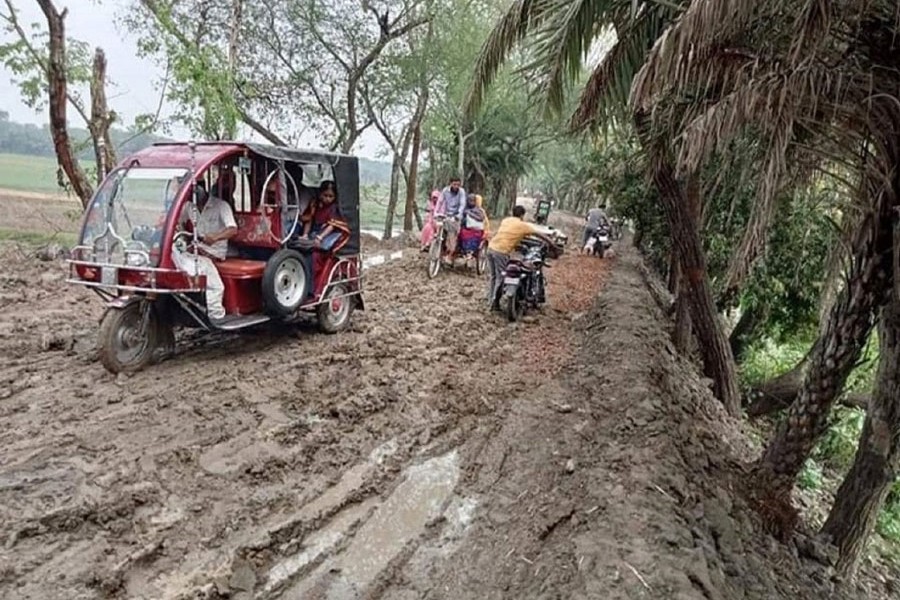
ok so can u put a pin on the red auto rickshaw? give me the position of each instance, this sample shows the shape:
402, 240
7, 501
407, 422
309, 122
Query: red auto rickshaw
131, 230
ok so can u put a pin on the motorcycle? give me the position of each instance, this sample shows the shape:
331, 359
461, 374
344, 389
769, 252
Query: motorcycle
524, 285
601, 239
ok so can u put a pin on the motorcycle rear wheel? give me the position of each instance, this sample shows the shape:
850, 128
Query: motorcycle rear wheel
511, 306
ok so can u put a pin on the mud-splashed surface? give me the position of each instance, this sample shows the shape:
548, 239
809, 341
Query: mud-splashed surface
433, 451
247, 464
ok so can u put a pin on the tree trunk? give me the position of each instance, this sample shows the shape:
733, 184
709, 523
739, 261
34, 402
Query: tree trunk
877, 463
780, 392
394, 196
718, 363
460, 152
101, 118
743, 330
842, 337
512, 192
412, 183
57, 84
681, 336
674, 274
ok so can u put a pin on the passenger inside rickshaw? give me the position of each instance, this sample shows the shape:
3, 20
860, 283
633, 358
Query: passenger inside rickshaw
325, 231
473, 227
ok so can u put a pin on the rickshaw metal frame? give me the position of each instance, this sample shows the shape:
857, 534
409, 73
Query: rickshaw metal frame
340, 272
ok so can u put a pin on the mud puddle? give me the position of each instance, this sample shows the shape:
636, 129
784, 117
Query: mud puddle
423, 496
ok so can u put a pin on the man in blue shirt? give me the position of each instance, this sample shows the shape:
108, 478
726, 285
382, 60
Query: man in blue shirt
452, 205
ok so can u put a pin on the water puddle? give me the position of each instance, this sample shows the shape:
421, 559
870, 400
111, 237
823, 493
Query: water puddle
319, 543
419, 499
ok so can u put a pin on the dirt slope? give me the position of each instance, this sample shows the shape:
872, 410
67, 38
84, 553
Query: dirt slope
432, 452
616, 479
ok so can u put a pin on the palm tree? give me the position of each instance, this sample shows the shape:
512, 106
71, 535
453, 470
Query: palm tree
559, 35
820, 81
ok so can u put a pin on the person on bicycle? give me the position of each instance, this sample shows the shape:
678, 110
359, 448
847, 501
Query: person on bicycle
428, 229
453, 201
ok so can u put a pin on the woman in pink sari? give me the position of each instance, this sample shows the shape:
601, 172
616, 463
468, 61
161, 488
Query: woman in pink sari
428, 229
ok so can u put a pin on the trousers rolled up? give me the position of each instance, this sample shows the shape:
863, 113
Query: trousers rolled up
215, 289
497, 262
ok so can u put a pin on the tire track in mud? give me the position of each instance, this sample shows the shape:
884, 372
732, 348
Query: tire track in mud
212, 471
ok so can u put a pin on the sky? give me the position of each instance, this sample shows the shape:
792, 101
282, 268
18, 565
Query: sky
133, 81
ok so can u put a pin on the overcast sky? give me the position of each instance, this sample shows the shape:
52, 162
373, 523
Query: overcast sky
133, 81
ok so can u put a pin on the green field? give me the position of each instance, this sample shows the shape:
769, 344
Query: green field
28, 173
38, 174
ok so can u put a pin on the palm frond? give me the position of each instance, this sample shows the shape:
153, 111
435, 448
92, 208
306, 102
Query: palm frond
681, 50
561, 47
522, 18
605, 96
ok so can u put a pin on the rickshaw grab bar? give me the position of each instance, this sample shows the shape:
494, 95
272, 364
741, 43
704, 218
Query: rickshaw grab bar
88, 263
132, 288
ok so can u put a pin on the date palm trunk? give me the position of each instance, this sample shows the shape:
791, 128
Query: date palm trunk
842, 338
875, 468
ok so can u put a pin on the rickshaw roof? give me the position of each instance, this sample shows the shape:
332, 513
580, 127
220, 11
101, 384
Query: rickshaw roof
344, 166
178, 154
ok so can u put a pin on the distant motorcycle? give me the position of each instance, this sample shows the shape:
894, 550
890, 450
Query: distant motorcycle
601, 237
524, 285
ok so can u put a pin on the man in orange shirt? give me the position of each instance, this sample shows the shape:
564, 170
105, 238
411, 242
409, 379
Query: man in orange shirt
509, 235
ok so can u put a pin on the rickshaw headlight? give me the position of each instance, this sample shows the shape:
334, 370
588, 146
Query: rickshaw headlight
133, 259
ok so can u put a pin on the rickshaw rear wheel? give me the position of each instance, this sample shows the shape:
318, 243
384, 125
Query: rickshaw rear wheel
481, 259
126, 343
335, 310
284, 283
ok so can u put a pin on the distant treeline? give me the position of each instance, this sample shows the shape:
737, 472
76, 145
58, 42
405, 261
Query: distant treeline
35, 140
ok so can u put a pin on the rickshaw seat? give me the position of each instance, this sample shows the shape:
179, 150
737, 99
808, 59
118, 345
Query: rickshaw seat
239, 268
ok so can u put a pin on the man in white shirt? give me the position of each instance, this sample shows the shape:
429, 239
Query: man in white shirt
215, 225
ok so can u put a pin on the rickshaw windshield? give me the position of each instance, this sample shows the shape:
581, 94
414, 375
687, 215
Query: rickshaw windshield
127, 216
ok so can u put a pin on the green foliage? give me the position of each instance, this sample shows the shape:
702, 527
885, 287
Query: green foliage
837, 447
787, 283
26, 60
767, 358
811, 477
201, 85
889, 519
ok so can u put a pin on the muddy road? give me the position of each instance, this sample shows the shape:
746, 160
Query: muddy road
256, 465
431, 452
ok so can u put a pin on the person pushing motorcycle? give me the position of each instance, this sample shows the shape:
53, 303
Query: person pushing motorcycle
509, 235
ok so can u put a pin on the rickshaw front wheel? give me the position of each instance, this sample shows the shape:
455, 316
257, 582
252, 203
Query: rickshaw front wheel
434, 257
128, 337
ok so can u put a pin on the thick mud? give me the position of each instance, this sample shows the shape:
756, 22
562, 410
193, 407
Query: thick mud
258, 464
433, 451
